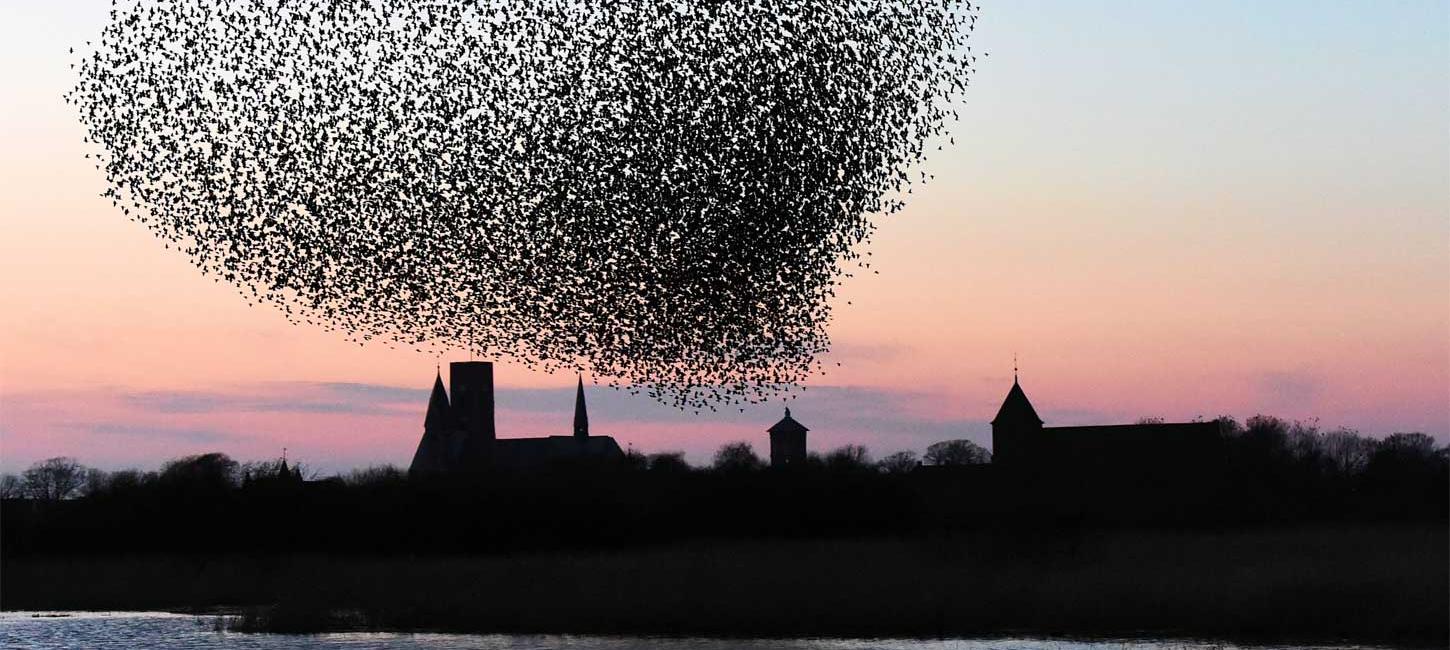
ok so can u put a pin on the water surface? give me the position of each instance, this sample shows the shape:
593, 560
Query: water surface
106, 630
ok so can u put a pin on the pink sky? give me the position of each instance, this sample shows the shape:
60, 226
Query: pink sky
1152, 235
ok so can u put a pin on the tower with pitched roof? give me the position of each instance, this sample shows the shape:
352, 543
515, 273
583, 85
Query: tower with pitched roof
1016, 429
787, 442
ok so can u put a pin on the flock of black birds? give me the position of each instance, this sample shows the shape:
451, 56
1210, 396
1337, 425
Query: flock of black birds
664, 193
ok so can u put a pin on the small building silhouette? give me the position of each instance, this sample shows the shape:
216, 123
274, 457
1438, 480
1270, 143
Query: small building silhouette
787, 442
1020, 440
459, 435
274, 476
1015, 428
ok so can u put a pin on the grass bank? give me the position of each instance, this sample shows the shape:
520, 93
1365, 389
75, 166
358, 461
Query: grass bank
1361, 584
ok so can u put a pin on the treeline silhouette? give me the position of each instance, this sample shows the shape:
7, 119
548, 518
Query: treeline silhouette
1266, 471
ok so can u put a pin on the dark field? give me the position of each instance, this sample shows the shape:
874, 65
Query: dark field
1337, 583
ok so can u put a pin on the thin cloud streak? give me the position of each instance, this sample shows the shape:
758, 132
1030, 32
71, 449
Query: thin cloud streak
281, 397
323, 419
200, 436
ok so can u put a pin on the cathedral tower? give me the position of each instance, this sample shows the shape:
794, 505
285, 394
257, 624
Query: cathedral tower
472, 384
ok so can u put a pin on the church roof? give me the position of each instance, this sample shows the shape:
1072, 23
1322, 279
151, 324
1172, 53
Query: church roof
787, 424
531, 453
1016, 408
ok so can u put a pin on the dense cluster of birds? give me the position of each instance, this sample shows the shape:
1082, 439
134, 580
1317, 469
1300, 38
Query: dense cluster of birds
666, 193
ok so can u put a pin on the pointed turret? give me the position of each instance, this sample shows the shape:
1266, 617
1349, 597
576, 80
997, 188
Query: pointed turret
1017, 409
1016, 428
439, 415
433, 450
581, 412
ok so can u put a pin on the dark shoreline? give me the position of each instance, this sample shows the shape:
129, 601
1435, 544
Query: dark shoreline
1388, 584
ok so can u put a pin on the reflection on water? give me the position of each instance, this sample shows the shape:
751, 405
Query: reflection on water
105, 630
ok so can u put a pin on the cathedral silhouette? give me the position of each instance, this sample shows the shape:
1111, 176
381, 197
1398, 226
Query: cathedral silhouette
459, 435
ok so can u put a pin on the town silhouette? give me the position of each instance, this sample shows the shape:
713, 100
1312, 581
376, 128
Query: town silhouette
1142, 507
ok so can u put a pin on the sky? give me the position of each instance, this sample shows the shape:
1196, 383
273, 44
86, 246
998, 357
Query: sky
1164, 209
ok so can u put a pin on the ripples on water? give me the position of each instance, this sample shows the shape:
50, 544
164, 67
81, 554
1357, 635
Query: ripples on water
106, 630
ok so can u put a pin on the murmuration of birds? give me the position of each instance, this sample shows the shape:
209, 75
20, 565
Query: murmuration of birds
666, 194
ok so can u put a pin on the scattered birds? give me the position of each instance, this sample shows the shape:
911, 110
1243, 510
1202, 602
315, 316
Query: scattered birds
663, 194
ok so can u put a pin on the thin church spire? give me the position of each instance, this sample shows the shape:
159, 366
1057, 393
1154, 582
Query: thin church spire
581, 412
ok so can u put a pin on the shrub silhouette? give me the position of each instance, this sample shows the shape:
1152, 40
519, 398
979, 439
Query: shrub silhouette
900, 462
957, 452
737, 457
211, 472
376, 476
668, 462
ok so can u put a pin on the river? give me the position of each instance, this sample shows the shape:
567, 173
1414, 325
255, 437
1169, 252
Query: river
107, 630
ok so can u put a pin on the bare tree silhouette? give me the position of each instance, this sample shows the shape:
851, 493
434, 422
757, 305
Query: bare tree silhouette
1346, 452
848, 457
900, 462
54, 479
11, 487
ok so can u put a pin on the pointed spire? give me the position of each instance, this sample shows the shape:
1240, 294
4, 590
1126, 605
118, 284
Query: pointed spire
439, 412
1017, 409
581, 412
432, 455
